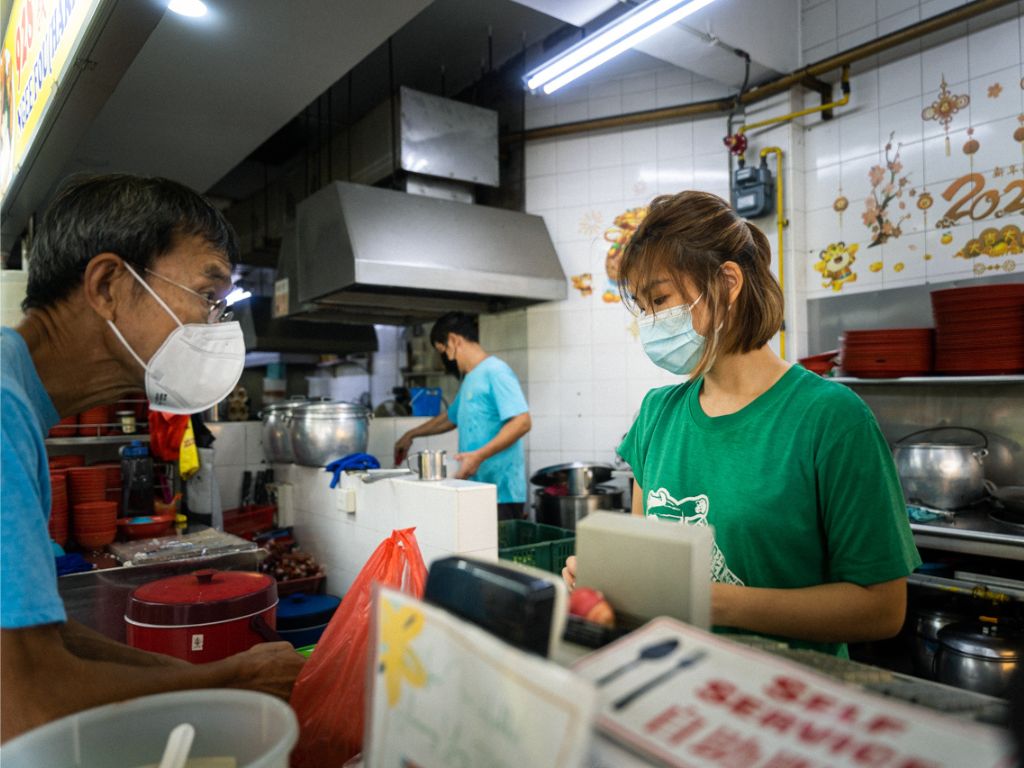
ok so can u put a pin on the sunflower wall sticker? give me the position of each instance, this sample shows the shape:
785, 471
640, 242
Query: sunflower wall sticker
945, 107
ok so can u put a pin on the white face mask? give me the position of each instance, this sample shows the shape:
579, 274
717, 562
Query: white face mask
196, 367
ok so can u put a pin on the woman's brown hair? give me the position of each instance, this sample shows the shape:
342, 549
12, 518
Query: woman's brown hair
693, 234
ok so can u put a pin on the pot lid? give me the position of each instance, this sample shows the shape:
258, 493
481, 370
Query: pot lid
330, 410
201, 597
562, 492
300, 610
983, 640
559, 473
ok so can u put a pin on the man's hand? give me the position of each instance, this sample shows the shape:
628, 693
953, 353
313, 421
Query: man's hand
269, 668
402, 446
469, 463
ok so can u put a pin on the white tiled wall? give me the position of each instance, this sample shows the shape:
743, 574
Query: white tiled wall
237, 448
586, 372
889, 101
385, 431
450, 516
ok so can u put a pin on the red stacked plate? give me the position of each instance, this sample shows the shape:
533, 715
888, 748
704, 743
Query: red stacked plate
979, 330
95, 421
66, 462
95, 523
59, 507
887, 354
87, 484
65, 427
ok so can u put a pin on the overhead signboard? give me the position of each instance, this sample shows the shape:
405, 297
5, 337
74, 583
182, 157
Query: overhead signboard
39, 47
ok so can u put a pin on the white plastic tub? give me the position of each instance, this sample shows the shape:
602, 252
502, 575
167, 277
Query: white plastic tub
258, 730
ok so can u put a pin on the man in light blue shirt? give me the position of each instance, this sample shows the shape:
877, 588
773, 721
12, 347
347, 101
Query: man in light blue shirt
490, 412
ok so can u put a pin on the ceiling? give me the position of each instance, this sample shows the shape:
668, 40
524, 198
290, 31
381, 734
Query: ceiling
204, 93
203, 96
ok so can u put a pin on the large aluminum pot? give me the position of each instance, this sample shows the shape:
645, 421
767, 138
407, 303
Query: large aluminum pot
927, 625
945, 475
978, 656
277, 436
566, 511
578, 476
323, 432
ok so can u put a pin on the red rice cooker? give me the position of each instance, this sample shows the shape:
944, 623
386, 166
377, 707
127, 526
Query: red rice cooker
202, 616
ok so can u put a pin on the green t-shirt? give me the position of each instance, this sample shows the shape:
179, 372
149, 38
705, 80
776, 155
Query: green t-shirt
799, 485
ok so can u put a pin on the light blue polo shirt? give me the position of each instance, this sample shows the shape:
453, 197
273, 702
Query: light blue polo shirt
489, 396
28, 576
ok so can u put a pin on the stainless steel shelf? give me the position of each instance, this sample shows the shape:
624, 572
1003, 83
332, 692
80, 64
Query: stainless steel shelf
1014, 379
104, 440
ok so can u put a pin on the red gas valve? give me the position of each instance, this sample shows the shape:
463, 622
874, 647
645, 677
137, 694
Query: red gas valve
737, 143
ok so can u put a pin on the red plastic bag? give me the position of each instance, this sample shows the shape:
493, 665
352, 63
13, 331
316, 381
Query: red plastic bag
165, 433
329, 696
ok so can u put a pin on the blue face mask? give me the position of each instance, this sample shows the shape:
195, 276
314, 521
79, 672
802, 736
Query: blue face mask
670, 340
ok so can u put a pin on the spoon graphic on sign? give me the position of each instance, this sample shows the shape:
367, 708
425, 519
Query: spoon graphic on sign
656, 651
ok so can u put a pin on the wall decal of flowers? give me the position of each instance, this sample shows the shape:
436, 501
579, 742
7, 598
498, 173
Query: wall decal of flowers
945, 107
886, 189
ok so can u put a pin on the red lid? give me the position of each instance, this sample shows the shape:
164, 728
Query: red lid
201, 597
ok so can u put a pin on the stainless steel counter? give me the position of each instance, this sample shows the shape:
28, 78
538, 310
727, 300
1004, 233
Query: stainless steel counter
974, 531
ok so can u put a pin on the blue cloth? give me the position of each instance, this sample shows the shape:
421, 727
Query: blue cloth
352, 461
28, 576
489, 396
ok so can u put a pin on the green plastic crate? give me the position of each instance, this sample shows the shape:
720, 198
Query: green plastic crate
541, 546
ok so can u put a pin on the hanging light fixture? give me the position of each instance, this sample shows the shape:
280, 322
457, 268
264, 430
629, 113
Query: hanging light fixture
609, 41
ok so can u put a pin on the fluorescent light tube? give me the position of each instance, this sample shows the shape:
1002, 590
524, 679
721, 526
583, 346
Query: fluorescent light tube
611, 40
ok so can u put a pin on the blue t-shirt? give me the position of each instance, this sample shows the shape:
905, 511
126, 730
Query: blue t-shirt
489, 396
28, 576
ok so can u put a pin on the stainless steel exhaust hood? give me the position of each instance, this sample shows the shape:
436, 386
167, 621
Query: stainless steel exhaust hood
369, 255
264, 333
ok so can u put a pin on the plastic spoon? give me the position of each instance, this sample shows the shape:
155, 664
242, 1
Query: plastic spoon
178, 745
656, 651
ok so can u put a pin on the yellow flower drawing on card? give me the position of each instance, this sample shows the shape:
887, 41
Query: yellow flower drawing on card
398, 661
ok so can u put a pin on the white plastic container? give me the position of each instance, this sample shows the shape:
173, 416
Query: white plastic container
258, 730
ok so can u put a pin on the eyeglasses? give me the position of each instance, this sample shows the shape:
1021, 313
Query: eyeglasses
217, 311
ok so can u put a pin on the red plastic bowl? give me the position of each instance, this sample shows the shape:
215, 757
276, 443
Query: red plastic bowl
145, 527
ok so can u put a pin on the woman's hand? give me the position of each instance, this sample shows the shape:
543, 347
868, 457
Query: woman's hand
569, 572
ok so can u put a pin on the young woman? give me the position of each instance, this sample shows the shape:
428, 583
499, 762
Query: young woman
812, 542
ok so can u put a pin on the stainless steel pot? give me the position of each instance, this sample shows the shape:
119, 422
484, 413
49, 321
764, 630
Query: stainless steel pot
566, 511
277, 436
946, 475
978, 656
927, 624
323, 432
578, 477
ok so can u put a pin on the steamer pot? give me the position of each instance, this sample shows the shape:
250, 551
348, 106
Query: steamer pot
945, 475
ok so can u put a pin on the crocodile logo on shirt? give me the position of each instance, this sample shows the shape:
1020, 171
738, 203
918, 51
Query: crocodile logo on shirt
692, 510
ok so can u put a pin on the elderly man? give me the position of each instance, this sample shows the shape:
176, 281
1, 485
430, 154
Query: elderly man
125, 289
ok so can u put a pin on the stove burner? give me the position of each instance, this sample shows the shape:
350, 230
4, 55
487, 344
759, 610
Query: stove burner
1006, 517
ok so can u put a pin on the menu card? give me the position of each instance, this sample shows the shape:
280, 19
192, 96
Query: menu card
446, 693
688, 698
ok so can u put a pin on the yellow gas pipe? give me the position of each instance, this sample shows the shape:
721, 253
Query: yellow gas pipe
845, 82
781, 221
